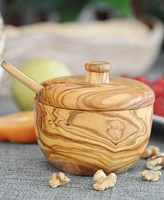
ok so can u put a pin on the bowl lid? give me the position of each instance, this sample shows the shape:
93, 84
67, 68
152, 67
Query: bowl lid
96, 91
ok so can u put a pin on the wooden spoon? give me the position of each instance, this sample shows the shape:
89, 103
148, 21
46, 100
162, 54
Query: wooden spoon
30, 83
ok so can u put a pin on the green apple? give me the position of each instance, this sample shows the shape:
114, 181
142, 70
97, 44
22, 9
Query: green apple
39, 69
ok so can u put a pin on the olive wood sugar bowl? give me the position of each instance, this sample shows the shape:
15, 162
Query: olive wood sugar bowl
92, 122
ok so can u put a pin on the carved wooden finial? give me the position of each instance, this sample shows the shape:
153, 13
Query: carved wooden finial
97, 72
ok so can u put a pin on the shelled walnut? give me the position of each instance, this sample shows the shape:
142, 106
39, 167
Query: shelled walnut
155, 162
150, 151
99, 176
150, 175
104, 182
58, 179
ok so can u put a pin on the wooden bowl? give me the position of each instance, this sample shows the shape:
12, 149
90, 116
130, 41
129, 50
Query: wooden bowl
92, 122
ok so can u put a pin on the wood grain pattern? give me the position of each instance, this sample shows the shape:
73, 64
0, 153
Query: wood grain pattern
97, 72
81, 142
74, 93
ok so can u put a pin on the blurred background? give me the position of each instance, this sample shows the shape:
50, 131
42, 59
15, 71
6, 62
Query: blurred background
126, 33
21, 12
118, 29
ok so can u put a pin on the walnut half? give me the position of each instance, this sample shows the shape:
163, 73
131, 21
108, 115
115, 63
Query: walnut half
104, 182
150, 175
155, 162
150, 151
58, 179
99, 176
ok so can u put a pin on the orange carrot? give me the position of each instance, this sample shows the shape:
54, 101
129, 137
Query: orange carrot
18, 127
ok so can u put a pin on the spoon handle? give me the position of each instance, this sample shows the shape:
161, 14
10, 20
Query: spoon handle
30, 83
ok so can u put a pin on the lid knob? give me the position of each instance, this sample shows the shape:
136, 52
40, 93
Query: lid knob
97, 72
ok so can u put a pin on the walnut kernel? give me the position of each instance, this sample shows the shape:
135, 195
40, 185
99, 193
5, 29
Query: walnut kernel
155, 162
99, 176
150, 175
108, 182
58, 179
150, 151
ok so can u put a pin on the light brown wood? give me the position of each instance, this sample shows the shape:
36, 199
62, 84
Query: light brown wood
97, 72
30, 83
97, 66
84, 124
74, 93
81, 142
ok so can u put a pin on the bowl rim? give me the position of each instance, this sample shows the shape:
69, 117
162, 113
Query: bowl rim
155, 36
